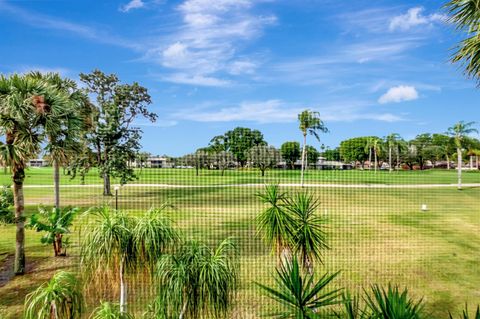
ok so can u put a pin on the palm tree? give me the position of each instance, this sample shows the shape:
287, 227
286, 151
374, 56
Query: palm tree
392, 141
59, 298
275, 223
299, 293
310, 123
117, 243
56, 224
309, 236
196, 281
108, 310
391, 303
65, 143
368, 147
459, 131
465, 14
29, 110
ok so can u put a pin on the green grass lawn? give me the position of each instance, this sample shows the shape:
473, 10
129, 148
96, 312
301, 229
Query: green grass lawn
376, 235
43, 176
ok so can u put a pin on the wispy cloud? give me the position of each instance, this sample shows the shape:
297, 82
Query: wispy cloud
278, 111
414, 17
41, 21
398, 94
207, 43
133, 4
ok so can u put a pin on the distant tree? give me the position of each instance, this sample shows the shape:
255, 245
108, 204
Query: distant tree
392, 141
445, 146
200, 159
312, 155
56, 224
332, 154
353, 150
238, 141
263, 157
422, 144
115, 141
459, 132
309, 123
142, 158
290, 153
59, 298
222, 160
465, 14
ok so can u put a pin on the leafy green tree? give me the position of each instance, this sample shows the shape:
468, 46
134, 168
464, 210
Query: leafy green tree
108, 310
263, 157
353, 150
332, 154
222, 160
55, 224
60, 298
30, 110
309, 123
312, 155
200, 159
290, 153
275, 223
445, 146
114, 140
119, 244
196, 282
459, 132
465, 14
309, 237
421, 145
393, 141
300, 295
238, 141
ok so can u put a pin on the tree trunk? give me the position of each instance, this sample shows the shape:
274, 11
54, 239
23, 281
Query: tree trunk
459, 168
471, 162
184, 309
370, 158
123, 288
303, 158
390, 159
57, 245
53, 310
56, 184
448, 162
398, 157
376, 160
263, 172
106, 185
18, 178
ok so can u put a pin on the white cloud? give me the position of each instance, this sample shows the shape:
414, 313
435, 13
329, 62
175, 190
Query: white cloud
413, 18
399, 94
195, 79
133, 4
208, 42
277, 111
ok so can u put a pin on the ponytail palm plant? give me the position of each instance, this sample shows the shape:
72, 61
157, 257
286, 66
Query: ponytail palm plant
117, 243
196, 282
274, 222
108, 310
300, 295
59, 298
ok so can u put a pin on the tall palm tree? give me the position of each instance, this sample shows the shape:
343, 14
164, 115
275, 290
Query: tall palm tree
59, 298
309, 236
459, 132
465, 14
274, 222
392, 142
30, 109
368, 148
65, 144
117, 243
301, 295
196, 281
309, 123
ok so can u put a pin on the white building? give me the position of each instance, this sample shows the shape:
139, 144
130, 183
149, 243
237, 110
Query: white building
159, 162
38, 162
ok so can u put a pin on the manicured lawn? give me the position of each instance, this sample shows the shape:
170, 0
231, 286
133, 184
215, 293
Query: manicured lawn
43, 176
376, 236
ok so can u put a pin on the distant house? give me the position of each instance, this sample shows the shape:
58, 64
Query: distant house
38, 162
325, 164
159, 162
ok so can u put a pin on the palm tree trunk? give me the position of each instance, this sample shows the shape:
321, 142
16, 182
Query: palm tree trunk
19, 202
459, 168
56, 183
471, 162
390, 159
398, 157
303, 158
376, 160
106, 185
53, 310
123, 288
448, 162
370, 158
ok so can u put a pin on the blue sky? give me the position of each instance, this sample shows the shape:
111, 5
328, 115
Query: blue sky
368, 67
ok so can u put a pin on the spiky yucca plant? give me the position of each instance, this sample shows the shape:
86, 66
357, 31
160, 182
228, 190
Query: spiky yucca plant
466, 314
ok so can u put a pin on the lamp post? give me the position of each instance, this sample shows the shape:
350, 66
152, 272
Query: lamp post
116, 197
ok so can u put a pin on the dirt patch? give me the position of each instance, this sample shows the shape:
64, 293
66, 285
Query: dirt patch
6, 270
